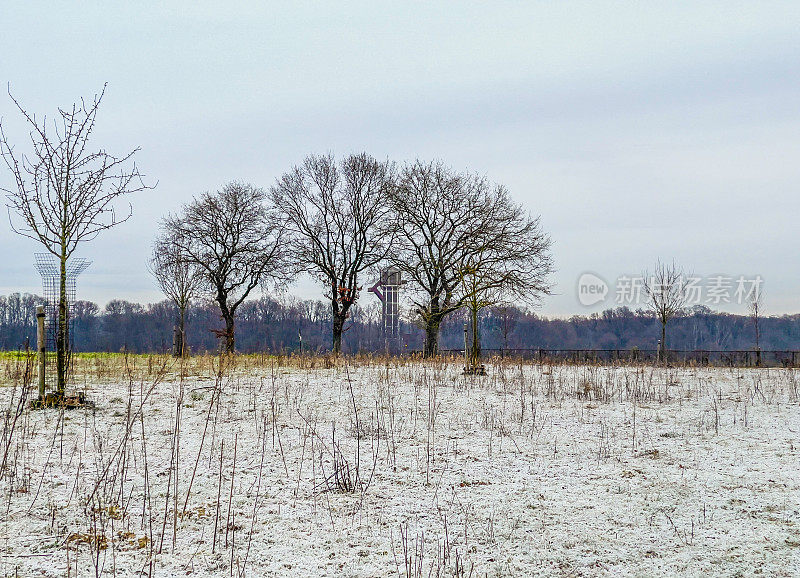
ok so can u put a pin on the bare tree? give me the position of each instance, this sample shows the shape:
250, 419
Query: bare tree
235, 239
506, 316
179, 278
66, 193
510, 260
462, 242
756, 301
436, 214
337, 217
665, 289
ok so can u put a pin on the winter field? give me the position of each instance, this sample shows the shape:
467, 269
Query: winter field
359, 467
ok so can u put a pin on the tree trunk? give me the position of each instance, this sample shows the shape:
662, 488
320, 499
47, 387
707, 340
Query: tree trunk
432, 337
433, 321
227, 316
758, 346
181, 330
62, 335
663, 352
230, 339
476, 343
337, 328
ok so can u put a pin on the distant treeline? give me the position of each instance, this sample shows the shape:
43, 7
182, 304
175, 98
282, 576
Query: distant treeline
270, 325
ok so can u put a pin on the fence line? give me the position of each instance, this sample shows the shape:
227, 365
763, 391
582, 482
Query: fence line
730, 358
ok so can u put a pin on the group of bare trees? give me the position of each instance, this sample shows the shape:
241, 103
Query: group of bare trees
459, 240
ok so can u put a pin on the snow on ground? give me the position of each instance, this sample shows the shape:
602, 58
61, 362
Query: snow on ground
529, 471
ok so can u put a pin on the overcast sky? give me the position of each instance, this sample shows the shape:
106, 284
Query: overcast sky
636, 130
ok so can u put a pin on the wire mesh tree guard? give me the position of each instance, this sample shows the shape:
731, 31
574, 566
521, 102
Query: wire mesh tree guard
50, 271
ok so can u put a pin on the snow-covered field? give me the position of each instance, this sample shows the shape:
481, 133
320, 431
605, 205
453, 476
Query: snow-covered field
411, 469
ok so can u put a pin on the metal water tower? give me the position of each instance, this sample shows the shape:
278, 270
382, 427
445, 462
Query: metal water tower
387, 289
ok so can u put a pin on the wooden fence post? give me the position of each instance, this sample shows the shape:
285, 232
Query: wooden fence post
40, 347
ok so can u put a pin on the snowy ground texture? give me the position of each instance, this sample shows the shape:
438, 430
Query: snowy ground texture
410, 469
